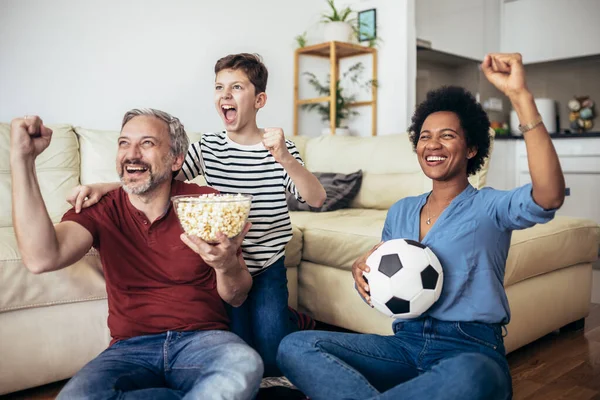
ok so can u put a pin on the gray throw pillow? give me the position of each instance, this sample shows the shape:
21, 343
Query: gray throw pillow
341, 189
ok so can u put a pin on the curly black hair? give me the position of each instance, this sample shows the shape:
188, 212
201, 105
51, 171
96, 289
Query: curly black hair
473, 120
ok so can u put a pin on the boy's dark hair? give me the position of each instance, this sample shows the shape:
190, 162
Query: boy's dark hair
251, 64
473, 120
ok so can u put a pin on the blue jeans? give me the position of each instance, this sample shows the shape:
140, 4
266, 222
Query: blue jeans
424, 359
172, 365
264, 319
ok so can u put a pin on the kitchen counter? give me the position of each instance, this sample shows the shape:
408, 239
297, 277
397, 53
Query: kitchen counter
554, 136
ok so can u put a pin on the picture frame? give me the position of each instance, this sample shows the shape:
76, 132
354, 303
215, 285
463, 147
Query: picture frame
367, 25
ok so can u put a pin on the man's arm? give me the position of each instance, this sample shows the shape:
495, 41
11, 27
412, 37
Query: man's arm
307, 184
234, 283
43, 248
233, 279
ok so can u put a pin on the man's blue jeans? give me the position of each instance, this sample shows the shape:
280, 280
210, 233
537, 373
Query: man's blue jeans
172, 365
424, 359
264, 319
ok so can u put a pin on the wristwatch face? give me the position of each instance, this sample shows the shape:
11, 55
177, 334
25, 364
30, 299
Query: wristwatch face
523, 128
530, 126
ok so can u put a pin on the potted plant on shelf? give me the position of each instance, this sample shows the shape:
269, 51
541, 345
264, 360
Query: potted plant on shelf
343, 100
338, 24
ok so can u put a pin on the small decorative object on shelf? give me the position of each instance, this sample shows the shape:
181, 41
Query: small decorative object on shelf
500, 128
581, 114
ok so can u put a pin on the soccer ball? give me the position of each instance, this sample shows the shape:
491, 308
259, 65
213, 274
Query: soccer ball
405, 279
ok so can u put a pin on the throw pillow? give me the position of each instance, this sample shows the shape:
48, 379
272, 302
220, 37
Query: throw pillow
341, 189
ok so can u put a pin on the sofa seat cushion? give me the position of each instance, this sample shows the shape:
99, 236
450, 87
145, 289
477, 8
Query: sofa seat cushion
560, 243
19, 288
338, 238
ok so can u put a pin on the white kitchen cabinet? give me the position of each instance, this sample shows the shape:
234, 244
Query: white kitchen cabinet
579, 159
503, 166
580, 162
467, 28
546, 30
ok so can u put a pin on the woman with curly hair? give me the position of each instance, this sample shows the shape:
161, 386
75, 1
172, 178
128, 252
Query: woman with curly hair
455, 350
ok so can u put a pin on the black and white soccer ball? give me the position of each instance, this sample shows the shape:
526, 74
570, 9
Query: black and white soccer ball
405, 279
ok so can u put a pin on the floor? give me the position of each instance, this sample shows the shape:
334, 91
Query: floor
562, 365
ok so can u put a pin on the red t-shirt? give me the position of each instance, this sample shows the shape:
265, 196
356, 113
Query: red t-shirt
155, 282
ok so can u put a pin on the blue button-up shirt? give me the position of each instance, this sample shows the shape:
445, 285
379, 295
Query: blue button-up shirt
471, 238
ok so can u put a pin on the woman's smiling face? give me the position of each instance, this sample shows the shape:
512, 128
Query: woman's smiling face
442, 147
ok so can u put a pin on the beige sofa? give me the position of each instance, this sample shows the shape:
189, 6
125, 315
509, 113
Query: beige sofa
52, 324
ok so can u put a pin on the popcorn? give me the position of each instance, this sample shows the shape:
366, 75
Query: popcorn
206, 215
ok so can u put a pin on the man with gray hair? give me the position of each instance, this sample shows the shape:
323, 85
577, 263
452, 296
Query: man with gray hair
166, 290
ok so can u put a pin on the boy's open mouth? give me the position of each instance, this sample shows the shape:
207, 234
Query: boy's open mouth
229, 112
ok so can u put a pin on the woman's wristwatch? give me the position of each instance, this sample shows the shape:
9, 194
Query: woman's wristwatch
531, 125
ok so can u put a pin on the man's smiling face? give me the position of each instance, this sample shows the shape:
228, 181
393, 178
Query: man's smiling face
144, 157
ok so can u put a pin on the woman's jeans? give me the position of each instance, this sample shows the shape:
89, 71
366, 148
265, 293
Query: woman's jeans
424, 359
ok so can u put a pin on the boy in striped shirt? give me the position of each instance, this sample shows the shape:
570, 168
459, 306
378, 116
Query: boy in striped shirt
260, 162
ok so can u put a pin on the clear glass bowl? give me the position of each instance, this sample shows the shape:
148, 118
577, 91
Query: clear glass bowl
204, 215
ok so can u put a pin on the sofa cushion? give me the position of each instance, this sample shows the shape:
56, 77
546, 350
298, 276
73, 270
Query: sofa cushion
337, 238
560, 243
99, 153
300, 142
341, 189
57, 171
19, 288
340, 237
388, 161
380, 191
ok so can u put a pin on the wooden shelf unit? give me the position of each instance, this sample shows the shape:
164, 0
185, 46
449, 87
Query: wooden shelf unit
334, 51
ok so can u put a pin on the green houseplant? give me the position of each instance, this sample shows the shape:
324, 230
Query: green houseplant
339, 26
343, 99
301, 40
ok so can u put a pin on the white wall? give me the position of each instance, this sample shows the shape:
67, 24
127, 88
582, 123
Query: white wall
397, 63
87, 62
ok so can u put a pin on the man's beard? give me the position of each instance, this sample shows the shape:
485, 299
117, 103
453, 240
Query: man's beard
151, 182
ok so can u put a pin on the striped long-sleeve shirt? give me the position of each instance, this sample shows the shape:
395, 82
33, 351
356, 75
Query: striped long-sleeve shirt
249, 169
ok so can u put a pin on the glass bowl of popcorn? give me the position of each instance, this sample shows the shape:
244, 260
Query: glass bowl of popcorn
205, 215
